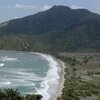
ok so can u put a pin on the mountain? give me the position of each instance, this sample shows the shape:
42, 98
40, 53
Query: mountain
58, 29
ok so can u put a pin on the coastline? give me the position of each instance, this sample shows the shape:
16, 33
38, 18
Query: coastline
61, 80
60, 72
57, 68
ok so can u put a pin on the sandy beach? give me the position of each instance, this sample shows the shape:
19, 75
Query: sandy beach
58, 92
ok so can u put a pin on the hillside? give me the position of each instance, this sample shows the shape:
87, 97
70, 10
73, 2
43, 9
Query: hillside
58, 29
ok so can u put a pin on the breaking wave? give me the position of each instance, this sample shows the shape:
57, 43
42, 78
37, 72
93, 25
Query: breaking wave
2, 65
52, 78
6, 58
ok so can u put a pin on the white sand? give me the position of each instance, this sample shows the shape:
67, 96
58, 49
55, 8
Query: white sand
58, 92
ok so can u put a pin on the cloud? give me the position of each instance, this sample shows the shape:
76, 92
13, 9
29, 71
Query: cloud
46, 7
32, 7
75, 7
15, 17
26, 7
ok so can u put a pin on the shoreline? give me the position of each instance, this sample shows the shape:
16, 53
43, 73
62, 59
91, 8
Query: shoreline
60, 68
60, 72
56, 70
61, 80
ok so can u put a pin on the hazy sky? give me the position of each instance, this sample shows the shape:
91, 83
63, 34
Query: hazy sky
10, 9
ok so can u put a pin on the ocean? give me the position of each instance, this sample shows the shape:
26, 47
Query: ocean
29, 72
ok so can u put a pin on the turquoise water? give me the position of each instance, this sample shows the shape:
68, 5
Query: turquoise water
28, 72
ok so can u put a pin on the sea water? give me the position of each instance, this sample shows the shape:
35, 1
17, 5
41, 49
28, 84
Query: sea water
29, 72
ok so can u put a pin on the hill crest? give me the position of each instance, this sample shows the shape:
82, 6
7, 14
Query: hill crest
59, 27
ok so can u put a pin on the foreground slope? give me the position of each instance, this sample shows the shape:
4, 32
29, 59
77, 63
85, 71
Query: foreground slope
58, 29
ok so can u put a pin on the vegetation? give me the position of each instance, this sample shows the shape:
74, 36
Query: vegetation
82, 80
56, 30
11, 94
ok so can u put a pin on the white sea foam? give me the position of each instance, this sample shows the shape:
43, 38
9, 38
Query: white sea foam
7, 83
22, 83
20, 75
21, 53
51, 79
19, 78
6, 58
2, 65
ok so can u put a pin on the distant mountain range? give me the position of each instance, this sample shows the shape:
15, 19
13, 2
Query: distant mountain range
58, 29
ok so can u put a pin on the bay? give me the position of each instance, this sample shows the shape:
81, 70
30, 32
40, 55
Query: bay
29, 72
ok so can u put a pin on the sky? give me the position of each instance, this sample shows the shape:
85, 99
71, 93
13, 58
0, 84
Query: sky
12, 9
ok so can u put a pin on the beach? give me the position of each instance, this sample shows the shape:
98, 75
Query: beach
60, 86
55, 73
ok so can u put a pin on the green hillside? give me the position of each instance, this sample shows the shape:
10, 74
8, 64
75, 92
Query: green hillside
58, 29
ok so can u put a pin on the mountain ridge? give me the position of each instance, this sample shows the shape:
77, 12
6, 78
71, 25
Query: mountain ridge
35, 18
60, 27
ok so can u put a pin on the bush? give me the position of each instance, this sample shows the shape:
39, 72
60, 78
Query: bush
11, 94
88, 93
